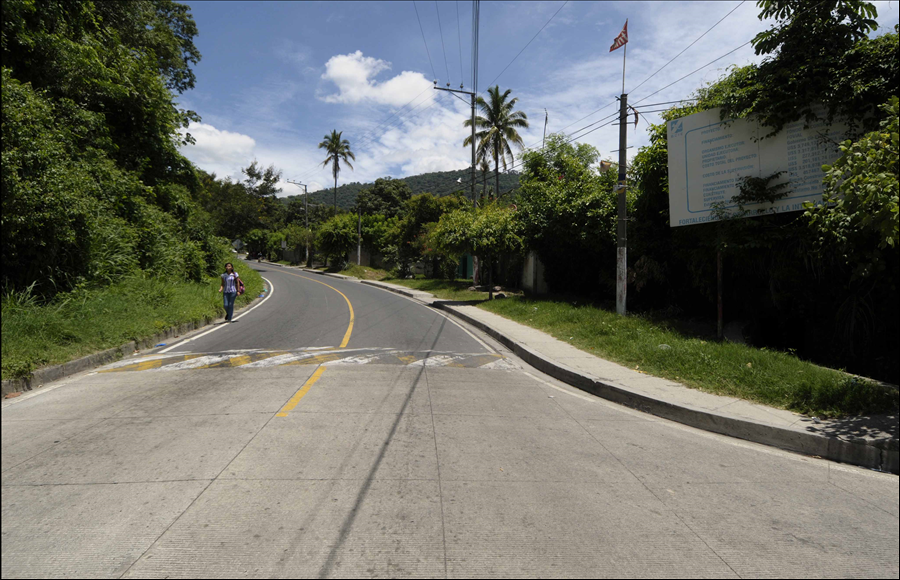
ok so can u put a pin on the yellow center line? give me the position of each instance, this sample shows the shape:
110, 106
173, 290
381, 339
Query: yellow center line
289, 406
350, 306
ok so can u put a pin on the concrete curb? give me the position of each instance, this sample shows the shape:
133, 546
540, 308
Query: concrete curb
45, 375
880, 454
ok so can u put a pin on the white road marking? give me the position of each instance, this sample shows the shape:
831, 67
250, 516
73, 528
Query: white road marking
191, 364
433, 361
275, 360
133, 360
184, 342
500, 364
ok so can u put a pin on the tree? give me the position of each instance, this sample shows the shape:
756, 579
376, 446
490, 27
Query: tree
262, 187
338, 149
567, 209
489, 231
859, 216
336, 237
806, 68
385, 197
118, 59
497, 129
404, 243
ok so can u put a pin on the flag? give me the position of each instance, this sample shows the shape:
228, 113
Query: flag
620, 40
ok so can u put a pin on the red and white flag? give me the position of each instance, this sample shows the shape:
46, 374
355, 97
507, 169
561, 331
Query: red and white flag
620, 40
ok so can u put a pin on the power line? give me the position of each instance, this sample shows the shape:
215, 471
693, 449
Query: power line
424, 41
694, 71
462, 74
441, 29
371, 137
314, 167
529, 43
724, 55
687, 47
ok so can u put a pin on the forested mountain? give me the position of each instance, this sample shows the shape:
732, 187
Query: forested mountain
439, 183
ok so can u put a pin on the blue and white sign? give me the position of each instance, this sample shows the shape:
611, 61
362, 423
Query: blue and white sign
708, 158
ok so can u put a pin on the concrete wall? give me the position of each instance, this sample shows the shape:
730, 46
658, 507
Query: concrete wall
533, 275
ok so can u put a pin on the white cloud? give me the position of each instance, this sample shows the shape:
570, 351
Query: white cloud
218, 151
354, 73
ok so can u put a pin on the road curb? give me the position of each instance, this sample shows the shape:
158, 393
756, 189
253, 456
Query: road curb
881, 454
45, 375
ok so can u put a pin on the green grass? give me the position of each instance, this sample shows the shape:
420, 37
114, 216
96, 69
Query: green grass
446, 289
87, 321
364, 272
768, 377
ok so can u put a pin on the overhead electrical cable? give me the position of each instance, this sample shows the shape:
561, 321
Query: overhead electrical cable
317, 165
462, 74
687, 47
527, 45
723, 56
424, 41
444, 50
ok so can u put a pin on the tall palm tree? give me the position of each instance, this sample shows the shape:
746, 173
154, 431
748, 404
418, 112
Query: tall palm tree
497, 129
485, 168
337, 150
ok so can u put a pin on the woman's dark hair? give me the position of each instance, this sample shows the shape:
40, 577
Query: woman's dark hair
229, 264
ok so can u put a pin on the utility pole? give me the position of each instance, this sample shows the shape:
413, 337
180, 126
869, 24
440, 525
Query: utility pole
305, 211
472, 97
546, 119
621, 233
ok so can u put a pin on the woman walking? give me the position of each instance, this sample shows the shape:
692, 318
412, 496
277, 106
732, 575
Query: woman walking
230, 285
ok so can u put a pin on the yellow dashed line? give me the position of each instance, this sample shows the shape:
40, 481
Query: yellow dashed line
240, 360
314, 360
350, 306
289, 406
151, 364
408, 359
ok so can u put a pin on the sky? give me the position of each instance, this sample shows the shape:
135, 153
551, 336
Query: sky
276, 78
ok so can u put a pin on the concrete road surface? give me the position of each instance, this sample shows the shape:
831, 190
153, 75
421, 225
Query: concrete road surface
338, 430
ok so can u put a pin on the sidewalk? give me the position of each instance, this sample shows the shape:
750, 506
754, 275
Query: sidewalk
865, 441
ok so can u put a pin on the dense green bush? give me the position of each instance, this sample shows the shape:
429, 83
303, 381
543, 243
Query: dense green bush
567, 209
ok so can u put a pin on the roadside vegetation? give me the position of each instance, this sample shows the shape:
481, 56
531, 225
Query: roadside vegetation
457, 290
77, 323
764, 376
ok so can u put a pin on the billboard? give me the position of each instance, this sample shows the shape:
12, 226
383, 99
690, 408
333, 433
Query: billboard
708, 158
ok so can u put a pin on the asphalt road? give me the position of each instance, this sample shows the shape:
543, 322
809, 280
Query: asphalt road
339, 430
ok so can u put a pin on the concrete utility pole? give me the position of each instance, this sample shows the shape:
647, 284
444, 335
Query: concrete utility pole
621, 233
472, 97
305, 211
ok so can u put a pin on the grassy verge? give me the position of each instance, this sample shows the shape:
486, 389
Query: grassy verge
768, 377
364, 272
446, 289
87, 321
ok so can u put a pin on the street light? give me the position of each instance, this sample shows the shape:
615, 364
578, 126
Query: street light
306, 211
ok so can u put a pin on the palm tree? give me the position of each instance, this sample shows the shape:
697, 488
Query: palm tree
485, 169
337, 149
497, 129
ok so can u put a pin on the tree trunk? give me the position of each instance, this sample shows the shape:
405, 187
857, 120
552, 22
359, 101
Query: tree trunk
490, 267
497, 176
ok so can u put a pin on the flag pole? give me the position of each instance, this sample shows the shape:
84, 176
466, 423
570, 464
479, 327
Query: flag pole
624, 52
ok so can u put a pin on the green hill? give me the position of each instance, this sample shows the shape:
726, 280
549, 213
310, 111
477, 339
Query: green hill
439, 183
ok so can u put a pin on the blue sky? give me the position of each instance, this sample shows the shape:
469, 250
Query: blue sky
276, 77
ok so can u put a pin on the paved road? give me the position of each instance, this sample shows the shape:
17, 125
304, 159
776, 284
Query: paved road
420, 448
